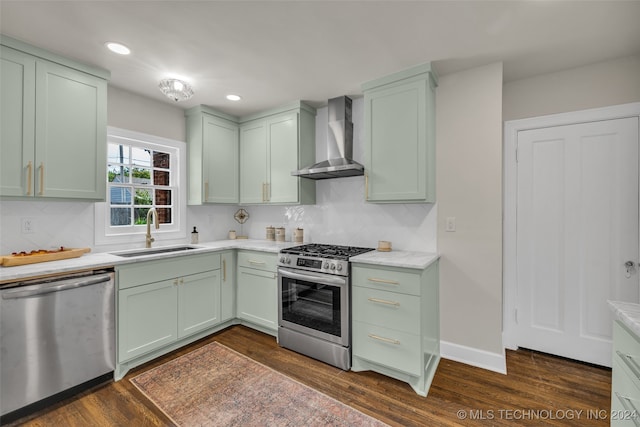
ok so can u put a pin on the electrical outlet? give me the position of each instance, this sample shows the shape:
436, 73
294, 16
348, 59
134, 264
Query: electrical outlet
450, 223
28, 226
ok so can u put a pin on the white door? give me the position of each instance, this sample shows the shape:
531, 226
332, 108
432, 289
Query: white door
577, 225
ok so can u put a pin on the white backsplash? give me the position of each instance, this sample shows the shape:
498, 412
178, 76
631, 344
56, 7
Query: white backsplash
340, 215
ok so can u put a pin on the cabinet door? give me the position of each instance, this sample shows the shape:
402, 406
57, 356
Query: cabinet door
147, 318
283, 146
396, 141
220, 161
198, 302
17, 86
71, 133
258, 297
228, 286
253, 162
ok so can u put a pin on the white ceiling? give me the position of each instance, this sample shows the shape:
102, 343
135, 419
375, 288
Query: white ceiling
275, 52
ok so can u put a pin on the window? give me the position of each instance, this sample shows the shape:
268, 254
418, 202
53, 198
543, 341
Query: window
143, 172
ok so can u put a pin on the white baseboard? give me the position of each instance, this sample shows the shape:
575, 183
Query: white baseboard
472, 356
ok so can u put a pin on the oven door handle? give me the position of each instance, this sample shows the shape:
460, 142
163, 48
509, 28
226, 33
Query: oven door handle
310, 277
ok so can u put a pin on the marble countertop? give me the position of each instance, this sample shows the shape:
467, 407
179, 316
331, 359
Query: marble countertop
405, 259
98, 260
628, 313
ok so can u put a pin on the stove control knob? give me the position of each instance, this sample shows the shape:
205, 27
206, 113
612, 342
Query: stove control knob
282, 260
326, 265
288, 260
339, 267
333, 266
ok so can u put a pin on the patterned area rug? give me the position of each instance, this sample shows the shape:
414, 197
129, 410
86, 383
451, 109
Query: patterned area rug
216, 386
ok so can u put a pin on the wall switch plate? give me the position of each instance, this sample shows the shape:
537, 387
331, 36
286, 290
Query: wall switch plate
450, 223
28, 226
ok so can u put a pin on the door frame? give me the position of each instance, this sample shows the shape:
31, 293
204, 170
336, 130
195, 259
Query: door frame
509, 208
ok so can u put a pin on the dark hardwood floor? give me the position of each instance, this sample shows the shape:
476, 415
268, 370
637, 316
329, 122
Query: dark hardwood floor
538, 390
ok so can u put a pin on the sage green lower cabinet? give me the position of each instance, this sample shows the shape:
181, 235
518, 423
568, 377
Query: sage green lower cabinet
228, 286
257, 286
165, 304
396, 326
625, 377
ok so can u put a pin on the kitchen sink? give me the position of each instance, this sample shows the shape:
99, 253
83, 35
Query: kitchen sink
154, 251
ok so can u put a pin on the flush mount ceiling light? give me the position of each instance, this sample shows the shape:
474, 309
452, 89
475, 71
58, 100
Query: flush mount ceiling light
176, 89
118, 48
232, 97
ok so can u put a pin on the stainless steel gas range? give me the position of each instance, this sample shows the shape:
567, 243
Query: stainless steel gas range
314, 301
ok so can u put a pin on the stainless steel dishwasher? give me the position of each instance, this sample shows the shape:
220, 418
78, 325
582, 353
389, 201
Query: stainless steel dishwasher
55, 335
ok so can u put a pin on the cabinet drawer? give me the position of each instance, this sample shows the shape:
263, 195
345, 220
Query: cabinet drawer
395, 349
257, 260
392, 310
137, 274
626, 350
387, 279
625, 398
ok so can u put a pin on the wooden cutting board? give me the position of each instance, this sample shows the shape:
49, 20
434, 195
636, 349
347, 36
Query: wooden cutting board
14, 260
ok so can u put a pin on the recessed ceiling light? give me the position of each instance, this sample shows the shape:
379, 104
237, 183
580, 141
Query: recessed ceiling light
118, 48
234, 97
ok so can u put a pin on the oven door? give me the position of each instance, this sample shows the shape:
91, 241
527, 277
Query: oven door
314, 304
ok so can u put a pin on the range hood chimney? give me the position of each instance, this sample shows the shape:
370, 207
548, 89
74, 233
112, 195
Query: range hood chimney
339, 161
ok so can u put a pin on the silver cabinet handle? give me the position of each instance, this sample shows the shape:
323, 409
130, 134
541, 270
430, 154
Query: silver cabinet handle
224, 270
385, 281
383, 339
384, 301
630, 362
628, 405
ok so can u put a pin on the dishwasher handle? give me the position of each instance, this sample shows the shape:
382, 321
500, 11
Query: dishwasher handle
36, 290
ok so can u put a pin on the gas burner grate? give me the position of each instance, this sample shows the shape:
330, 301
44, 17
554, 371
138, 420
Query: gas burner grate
326, 251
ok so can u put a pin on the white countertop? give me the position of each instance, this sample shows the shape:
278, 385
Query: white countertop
90, 261
405, 259
628, 313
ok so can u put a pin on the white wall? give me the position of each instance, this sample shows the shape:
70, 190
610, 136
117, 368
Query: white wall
597, 85
469, 188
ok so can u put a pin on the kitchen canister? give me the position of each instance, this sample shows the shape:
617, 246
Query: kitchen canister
271, 233
232, 234
384, 246
298, 235
280, 234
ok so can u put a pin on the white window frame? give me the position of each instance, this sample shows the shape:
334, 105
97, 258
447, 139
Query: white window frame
106, 234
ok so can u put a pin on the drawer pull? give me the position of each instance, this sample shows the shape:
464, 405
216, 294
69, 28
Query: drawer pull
41, 190
384, 301
387, 282
630, 362
224, 270
251, 261
29, 177
628, 406
383, 339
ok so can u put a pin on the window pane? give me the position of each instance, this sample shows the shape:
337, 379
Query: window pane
120, 195
118, 173
140, 215
161, 160
143, 197
120, 216
118, 153
164, 216
163, 197
141, 157
141, 176
161, 177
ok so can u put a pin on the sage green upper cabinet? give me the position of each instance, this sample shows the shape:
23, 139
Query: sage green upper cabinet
272, 145
17, 130
54, 125
212, 142
399, 125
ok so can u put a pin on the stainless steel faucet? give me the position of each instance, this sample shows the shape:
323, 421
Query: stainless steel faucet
155, 222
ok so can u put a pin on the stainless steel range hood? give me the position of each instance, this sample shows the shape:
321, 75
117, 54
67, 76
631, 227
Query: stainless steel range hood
339, 145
